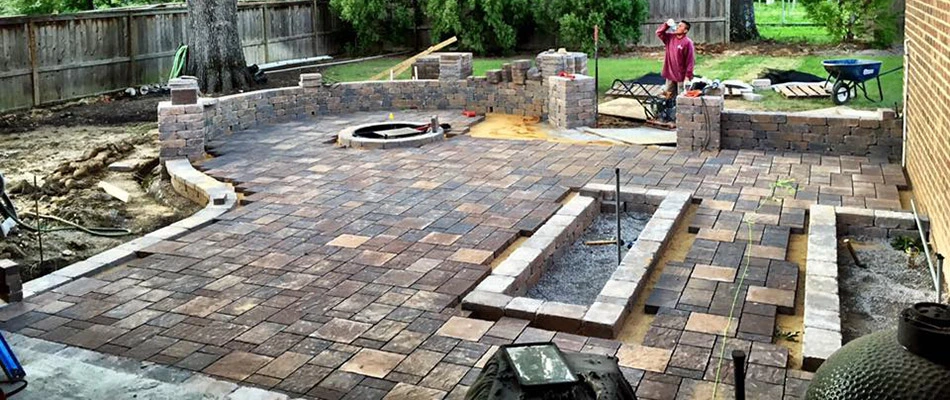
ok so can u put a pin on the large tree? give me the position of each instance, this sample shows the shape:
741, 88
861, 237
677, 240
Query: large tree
215, 55
742, 21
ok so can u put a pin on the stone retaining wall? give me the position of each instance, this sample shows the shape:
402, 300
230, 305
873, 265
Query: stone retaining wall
879, 138
185, 128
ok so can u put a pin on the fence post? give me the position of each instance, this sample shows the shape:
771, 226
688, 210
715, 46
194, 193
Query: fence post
313, 25
31, 34
728, 23
264, 32
130, 48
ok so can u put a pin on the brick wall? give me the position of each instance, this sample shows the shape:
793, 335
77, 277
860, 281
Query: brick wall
927, 111
878, 138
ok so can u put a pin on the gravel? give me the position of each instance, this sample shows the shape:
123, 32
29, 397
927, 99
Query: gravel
872, 298
577, 275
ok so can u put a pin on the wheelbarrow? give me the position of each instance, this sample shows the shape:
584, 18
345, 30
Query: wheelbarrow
852, 74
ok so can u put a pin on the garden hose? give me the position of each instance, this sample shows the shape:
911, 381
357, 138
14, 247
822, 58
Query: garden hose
7, 210
179, 64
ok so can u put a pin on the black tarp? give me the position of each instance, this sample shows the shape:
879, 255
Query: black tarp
778, 76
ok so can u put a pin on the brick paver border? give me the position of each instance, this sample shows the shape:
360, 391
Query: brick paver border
502, 292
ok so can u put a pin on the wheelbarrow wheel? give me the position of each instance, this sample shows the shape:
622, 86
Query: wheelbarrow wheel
841, 93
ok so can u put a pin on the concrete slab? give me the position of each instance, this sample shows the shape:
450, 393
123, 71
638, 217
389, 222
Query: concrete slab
642, 135
623, 107
63, 372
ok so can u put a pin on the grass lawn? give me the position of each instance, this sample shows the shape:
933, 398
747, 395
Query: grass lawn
744, 68
772, 14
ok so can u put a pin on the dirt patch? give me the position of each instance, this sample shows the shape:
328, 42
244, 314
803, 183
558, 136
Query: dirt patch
873, 297
610, 121
636, 325
793, 326
69, 163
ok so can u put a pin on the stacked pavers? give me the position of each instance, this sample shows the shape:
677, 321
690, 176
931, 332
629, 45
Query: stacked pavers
571, 101
455, 66
880, 138
552, 63
11, 288
698, 123
182, 122
427, 67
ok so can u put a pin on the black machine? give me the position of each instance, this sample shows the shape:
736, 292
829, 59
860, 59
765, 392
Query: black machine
540, 371
659, 107
12, 369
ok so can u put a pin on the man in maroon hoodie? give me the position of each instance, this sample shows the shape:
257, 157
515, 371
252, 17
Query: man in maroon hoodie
680, 56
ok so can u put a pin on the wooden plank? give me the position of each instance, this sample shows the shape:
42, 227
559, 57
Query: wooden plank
787, 92
31, 31
401, 67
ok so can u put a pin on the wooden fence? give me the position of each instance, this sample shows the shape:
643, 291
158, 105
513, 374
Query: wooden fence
709, 20
46, 59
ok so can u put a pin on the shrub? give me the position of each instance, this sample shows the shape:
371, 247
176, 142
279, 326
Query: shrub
872, 20
619, 22
376, 21
498, 25
481, 25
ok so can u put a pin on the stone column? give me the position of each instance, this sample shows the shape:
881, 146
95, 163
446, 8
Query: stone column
571, 101
310, 81
181, 122
11, 289
455, 66
698, 125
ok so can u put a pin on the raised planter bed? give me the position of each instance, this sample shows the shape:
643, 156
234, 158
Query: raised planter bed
823, 273
503, 293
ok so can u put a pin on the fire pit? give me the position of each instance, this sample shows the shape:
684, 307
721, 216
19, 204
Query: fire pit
392, 134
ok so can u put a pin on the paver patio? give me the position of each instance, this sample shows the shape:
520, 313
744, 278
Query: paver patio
340, 276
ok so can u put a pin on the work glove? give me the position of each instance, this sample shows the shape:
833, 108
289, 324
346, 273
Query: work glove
671, 23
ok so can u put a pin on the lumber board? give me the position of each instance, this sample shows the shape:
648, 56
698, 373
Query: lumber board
405, 64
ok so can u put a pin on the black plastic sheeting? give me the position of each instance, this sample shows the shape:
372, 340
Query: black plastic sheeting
778, 76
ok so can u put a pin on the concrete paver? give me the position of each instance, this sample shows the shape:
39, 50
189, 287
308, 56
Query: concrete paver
338, 253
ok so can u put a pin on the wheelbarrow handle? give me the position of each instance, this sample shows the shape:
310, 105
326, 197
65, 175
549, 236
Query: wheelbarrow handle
891, 70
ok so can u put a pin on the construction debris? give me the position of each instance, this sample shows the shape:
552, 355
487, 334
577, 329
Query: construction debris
114, 191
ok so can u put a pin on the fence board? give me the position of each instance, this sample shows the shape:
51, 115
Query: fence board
84, 54
88, 53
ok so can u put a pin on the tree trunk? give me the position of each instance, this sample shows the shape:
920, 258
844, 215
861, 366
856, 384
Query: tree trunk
215, 55
742, 21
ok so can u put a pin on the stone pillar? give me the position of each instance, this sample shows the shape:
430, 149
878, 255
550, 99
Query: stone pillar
181, 122
519, 71
698, 125
309, 81
11, 289
571, 101
455, 66
184, 90
552, 63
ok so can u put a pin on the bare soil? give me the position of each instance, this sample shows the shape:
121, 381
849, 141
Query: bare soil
69, 161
